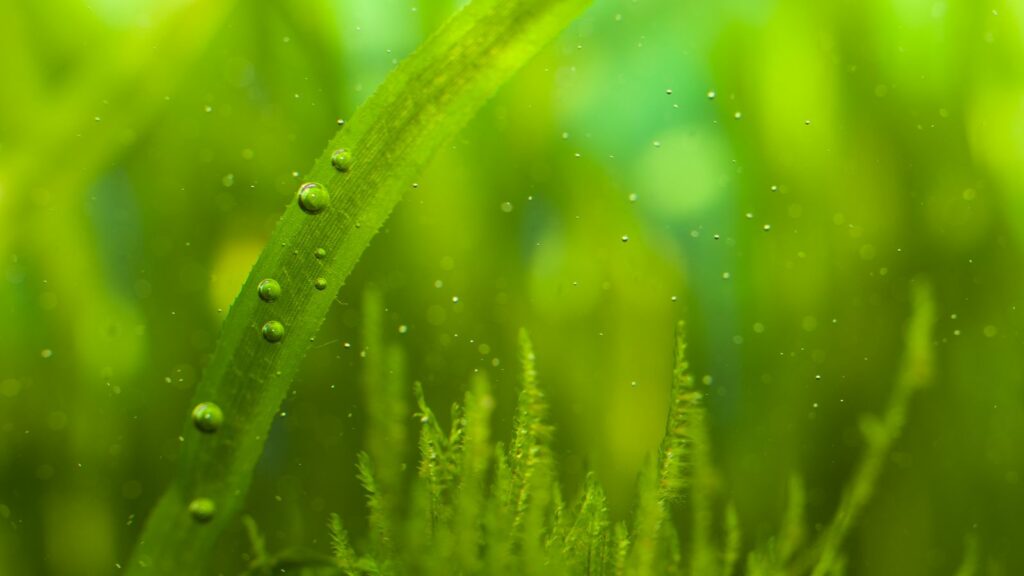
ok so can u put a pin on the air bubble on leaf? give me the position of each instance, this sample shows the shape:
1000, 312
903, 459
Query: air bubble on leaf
341, 159
273, 331
202, 510
207, 417
313, 198
268, 289
320, 283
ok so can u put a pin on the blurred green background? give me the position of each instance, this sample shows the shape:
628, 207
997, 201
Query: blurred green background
147, 149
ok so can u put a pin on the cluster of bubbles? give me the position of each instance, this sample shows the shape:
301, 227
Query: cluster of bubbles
208, 417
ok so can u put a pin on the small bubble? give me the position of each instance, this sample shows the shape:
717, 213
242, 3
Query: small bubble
455, 299
269, 290
228, 180
774, 188
403, 329
625, 238
668, 91
506, 207
341, 160
207, 417
717, 236
737, 115
726, 276
711, 94
767, 227
320, 253
320, 283
633, 197
807, 122
273, 331
341, 122
202, 510
313, 198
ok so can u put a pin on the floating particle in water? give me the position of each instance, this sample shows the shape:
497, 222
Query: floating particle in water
341, 159
506, 207
749, 215
633, 197
207, 417
202, 510
767, 227
403, 329
319, 253
313, 198
625, 238
268, 289
737, 115
726, 275
228, 180
565, 135
455, 299
774, 188
273, 331
657, 143
711, 94
320, 283
46, 353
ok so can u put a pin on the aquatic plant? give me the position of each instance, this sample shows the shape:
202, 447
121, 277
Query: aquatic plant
349, 193
479, 507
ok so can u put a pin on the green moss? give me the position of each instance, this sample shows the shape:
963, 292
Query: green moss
505, 514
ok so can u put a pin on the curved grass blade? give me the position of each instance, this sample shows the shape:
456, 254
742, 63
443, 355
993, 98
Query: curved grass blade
425, 101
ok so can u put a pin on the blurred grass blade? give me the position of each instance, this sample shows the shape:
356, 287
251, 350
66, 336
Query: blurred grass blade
427, 99
881, 434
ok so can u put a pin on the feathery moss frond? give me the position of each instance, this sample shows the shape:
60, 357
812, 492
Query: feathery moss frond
529, 450
733, 541
343, 552
384, 395
380, 526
